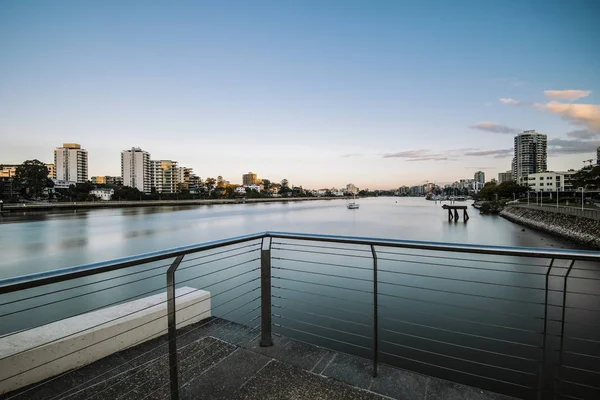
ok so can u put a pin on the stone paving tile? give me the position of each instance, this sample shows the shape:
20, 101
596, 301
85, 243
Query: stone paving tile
355, 371
293, 352
322, 363
224, 378
399, 384
279, 381
438, 389
47, 389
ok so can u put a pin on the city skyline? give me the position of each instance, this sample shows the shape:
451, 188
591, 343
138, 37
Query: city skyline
319, 93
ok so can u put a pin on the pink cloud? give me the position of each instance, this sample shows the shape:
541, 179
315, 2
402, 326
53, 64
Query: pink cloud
570, 95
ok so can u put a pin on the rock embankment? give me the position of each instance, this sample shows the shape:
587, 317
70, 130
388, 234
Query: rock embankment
582, 230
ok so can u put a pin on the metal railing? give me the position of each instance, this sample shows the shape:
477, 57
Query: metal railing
587, 212
519, 321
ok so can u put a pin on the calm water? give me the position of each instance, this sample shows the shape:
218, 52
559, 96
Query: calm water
438, 312
33, 243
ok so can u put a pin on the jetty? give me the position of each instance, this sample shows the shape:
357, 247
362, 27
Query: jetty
454, 208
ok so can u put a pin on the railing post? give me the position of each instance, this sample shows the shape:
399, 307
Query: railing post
266, 338
375, 313
172, 325
562, 330
544, 335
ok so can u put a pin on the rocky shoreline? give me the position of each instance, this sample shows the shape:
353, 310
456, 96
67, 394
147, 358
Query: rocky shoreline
585, 231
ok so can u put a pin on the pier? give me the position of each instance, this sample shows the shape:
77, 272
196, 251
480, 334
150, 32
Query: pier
456, 217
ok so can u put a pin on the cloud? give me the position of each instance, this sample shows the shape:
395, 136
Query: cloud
570, 95
583, 134
562, 146
351, 155
509, 101
447, 155
499, 153
579, 114
493, 127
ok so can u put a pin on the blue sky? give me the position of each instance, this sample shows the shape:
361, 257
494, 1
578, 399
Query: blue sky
323, 93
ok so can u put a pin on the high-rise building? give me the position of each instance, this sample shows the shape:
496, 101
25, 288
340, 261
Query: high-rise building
249, 179
136, 170
505, 177
530, 155
71, 163
480, 177
165, 176
350, 188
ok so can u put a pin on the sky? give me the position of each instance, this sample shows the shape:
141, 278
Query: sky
322, 93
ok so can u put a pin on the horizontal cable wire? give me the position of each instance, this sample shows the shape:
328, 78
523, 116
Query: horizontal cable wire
466, 307
323, 295
461, 333
322, 247
579, 354
324, 274
582, 339
321, 305
321, 336
458, 371
322, 263
191, 355
459, 345
147, 337
328, 254
216, 259
163, 345
578, 369
322, 327
579, 384
223, 269
321, 284
84, 285
103, 323
460, 319
460, 359
464, 294
218, 252
320, 315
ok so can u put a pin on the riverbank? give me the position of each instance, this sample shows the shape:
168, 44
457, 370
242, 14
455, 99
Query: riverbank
21, 207
584, 231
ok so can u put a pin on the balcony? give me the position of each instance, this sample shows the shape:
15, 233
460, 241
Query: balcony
284, 315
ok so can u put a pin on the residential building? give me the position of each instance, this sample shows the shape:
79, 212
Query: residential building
240, 190
249, 179
350, 188
530, 155
107, 180
164, 176
8, 170
71, 163
480, 177
551, 181
254, 187
62, 184
494, 181
51, 171
136, 170
505, 177
103, 194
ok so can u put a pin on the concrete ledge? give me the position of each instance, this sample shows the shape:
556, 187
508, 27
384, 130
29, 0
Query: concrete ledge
52, 353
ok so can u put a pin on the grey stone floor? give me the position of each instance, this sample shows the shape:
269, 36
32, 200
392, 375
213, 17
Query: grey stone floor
218, 360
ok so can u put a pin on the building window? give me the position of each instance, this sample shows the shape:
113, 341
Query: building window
541, 184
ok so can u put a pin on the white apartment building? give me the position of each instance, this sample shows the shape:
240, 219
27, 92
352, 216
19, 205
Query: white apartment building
103, 194
165, 175
480, 177
530, 155
550, 181
136, 169
71, 163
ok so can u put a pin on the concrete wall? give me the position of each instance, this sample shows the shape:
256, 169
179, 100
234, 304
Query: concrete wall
585, 231
578, 212
51, 353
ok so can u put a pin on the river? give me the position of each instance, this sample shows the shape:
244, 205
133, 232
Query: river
472, 313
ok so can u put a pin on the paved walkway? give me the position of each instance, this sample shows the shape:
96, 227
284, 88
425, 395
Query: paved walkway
212, 367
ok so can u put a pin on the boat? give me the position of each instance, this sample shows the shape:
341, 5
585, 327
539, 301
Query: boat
352, 205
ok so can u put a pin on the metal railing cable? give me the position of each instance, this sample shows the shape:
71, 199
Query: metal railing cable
112, 320
163, 331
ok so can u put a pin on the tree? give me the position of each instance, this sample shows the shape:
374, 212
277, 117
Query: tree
284, 189
266, 185
210, 183
33, 175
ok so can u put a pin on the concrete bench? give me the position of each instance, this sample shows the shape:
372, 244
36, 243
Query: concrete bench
52, 353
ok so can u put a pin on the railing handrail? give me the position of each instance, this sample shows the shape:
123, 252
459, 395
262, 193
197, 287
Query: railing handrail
9, 285
578, 255
14, 284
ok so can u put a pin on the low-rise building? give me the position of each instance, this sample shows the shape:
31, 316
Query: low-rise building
103, 193
61, 184
254, 187
551, 181
240, 190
